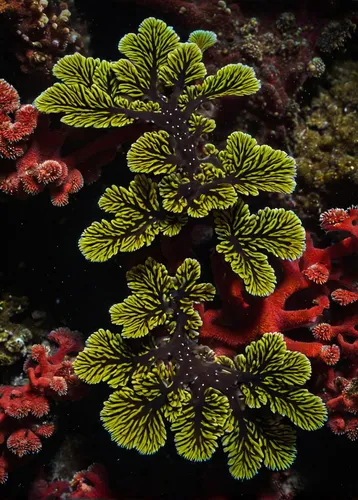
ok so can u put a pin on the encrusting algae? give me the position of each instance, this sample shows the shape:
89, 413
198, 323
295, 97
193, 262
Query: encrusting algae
327, 139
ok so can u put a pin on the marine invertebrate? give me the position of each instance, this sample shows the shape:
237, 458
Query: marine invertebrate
164, 81
321, 276
45, 167
89, 483
160, 372
25, 409
14, 131
39, 32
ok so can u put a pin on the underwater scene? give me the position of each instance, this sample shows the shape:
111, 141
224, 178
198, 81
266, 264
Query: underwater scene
179, 249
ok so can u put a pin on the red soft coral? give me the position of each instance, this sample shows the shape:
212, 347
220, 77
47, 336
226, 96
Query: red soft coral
14, 131
22, 408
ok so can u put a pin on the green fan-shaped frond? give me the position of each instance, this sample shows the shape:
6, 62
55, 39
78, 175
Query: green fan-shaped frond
131, 82
243, 238
264, 359
255, 168
149, 49
152, 153
304, 409
138, 221
146, 308
294, 370
203, 39
197, 428
150, 382
134, 421
83, 106
263, 356
174, 405
233, 79
172, 190
212, 197
278, 443
201, 124
185, 280
178, 194
106, 358
184, 65
244, 449
75, 69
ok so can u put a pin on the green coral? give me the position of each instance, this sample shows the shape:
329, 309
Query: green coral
163, 378
164, 81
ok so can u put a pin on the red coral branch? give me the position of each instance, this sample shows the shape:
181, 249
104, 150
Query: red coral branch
44, 165
22, 408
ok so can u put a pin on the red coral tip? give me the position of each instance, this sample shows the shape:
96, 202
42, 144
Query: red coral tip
332, 217
323, 332
330, 354
344, 297
318, 273
23, 441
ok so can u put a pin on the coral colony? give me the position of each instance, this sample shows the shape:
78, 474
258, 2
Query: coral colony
211, 364
160, 371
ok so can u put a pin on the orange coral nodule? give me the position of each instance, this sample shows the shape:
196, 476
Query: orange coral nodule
332, 217
344, 297
323, 332
330, 354
318, 273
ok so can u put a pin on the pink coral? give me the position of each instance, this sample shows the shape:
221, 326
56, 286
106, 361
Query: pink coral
22, 408
14, 131
44, 165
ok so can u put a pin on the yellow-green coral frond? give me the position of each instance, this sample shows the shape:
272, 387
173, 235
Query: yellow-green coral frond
202, 123
76, 69
174, 405
255, 168
152, 153
294, 370
150, 382
149, 49
203, 39
185, 280
243, 238
233, 79
106, 358
172, 224
101, 240
146, 308
278, 443
83, 106
183, 67
304, 409
137, 221
176, 192
150, 278
212, 197
244, 449
198, 428
141, 194
134, 422
263, 356
130, 81
170, 190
